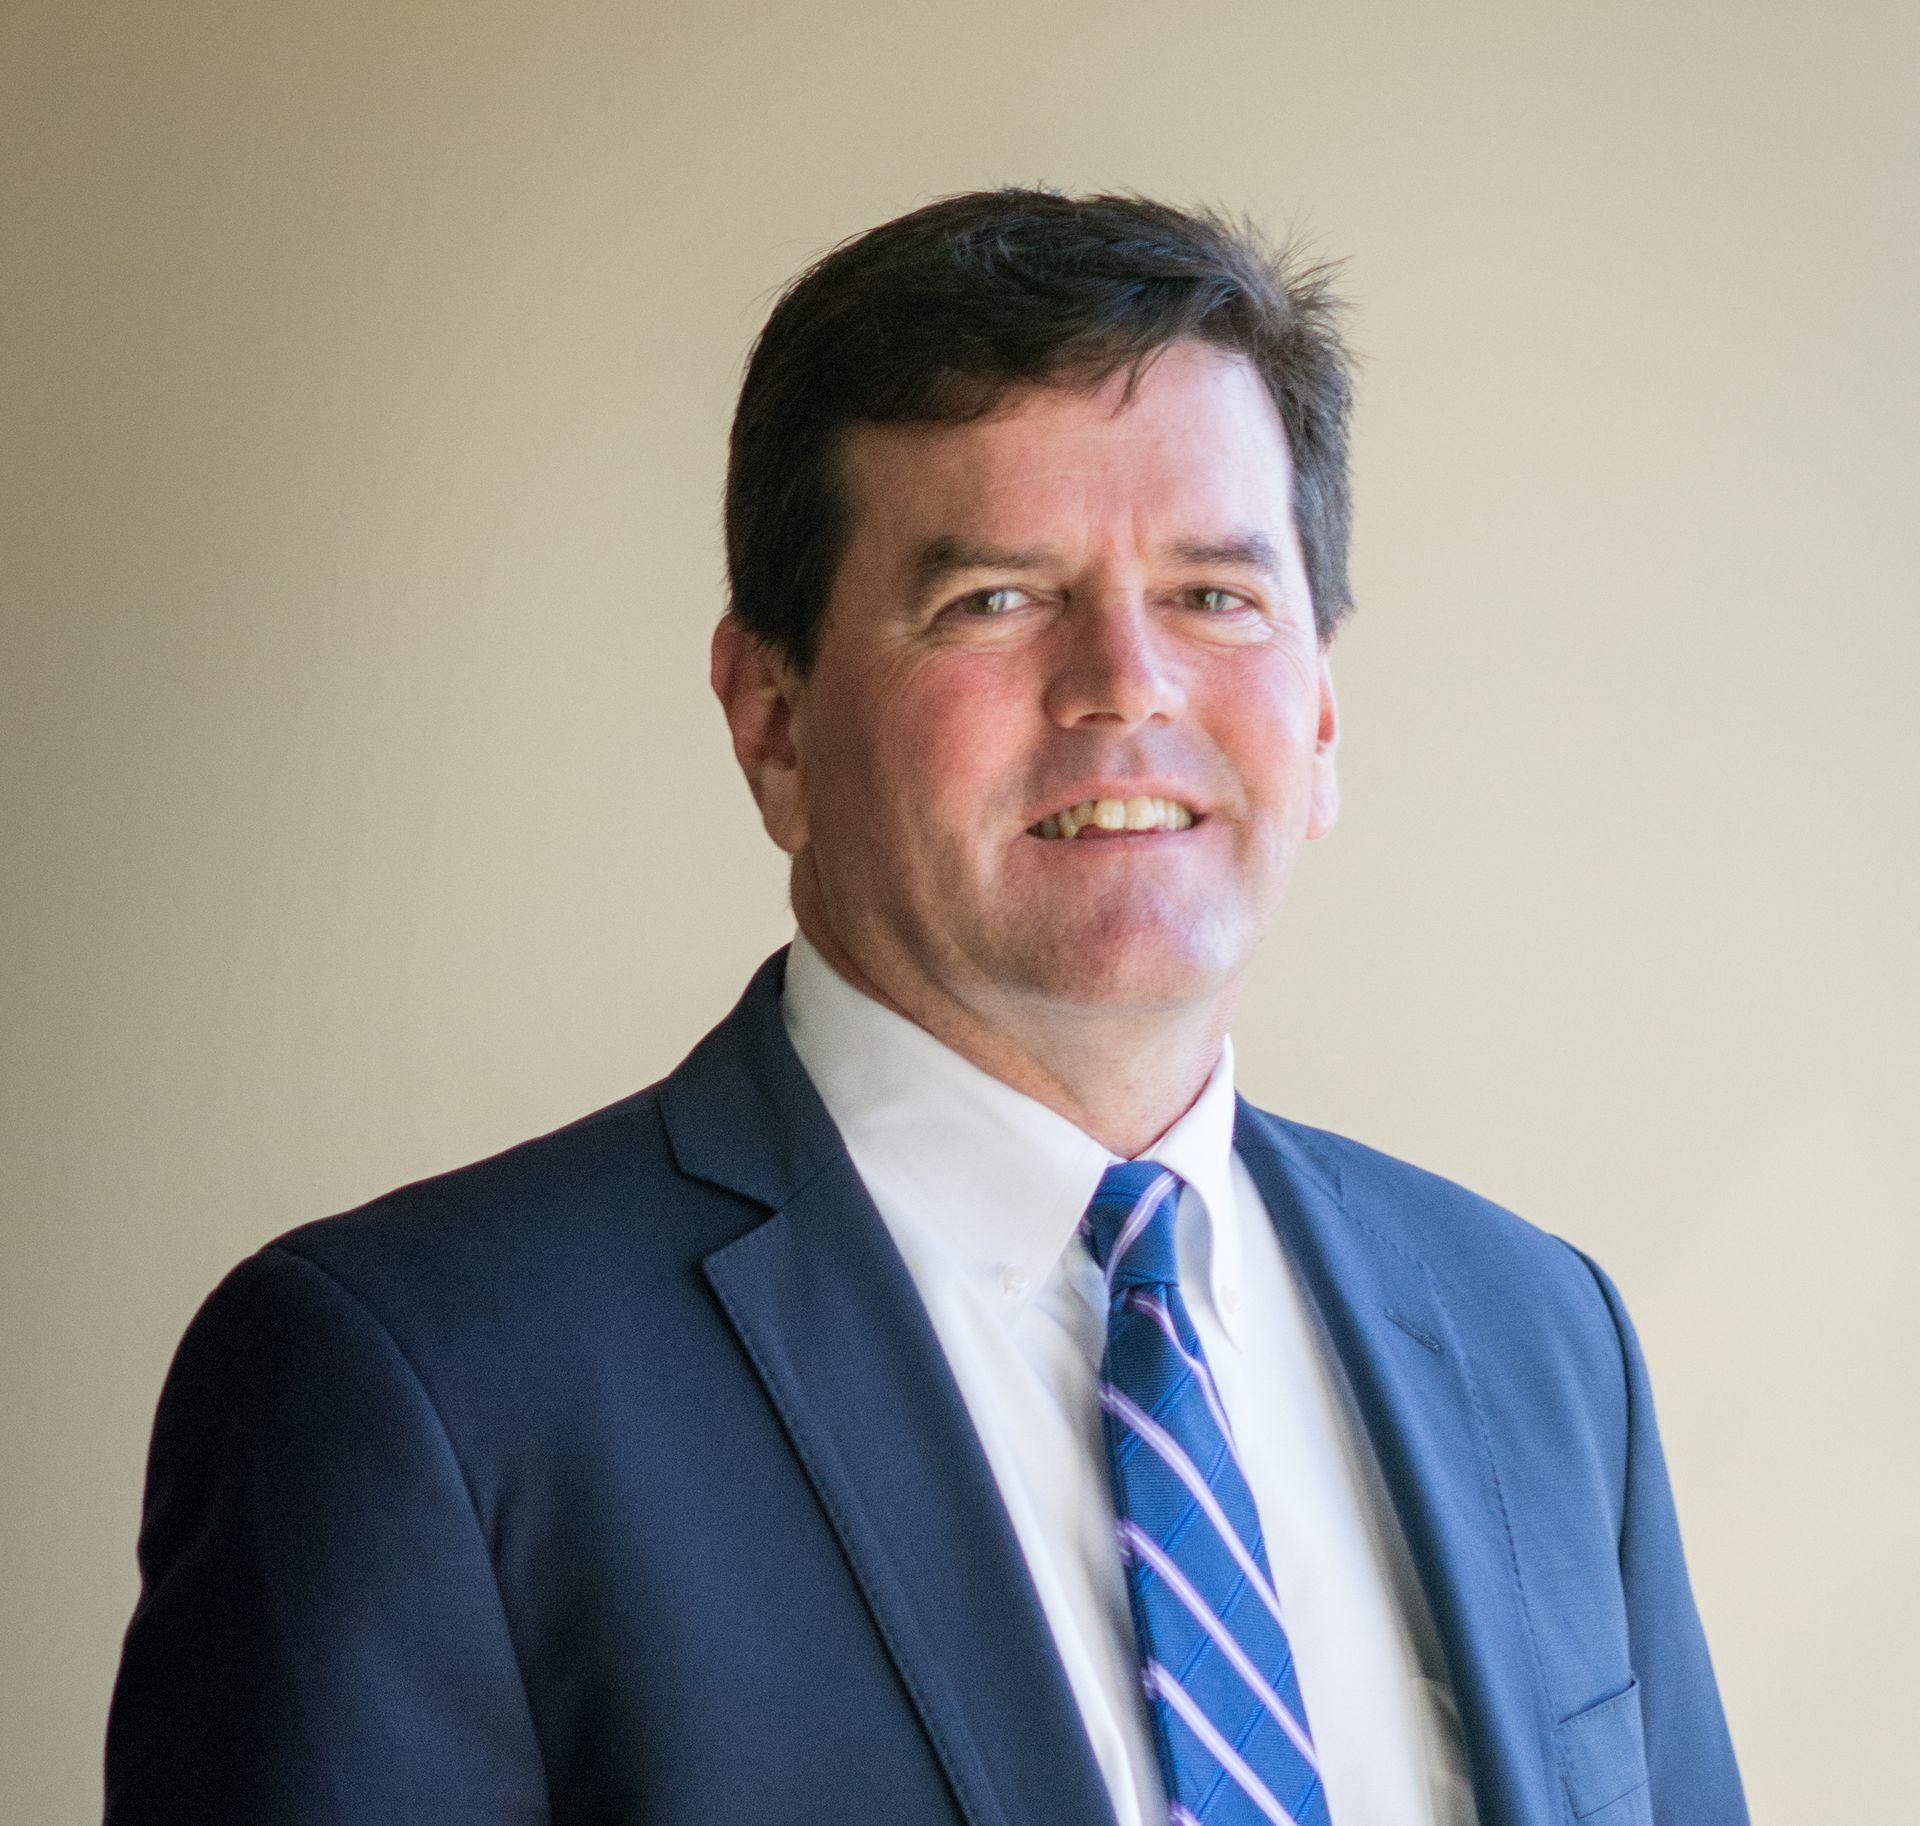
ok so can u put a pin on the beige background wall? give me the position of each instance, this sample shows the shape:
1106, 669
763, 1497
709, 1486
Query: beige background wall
367, 375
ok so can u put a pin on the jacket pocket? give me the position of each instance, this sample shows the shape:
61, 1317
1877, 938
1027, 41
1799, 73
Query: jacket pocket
1603, 1761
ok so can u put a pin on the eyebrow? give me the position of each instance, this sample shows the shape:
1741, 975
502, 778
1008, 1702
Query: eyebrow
949, 555
1250, 551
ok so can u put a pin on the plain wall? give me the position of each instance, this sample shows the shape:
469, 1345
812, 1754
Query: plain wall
367, 376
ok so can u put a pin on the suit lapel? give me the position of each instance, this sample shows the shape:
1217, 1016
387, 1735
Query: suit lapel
1389, 1323
833, 1326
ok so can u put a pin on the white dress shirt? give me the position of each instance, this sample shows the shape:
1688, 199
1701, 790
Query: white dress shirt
982, 1189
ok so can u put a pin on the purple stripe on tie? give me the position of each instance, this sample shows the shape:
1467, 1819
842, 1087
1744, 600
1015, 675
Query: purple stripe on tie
1188, 1473
1157, 1311
1181, 1816
1134, 1540
1257, 1791
1137, 1220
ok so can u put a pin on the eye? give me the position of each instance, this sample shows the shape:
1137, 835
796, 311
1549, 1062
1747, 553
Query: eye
1216, 601
988, 603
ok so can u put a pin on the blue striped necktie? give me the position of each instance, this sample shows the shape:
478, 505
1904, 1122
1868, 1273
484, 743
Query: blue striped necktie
1228, 1721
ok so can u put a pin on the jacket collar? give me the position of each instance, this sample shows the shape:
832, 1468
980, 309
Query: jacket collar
740, 1111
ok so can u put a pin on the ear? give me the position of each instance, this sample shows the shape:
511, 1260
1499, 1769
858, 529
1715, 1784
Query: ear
757, 691
1324, 805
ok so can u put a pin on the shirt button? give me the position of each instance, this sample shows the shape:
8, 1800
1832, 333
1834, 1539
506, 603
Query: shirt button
1013, 1280
1230, 1298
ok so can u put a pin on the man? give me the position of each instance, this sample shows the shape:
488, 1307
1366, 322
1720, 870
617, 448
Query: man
940, 1399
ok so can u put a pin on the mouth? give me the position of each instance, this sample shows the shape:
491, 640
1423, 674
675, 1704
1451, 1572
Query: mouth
1093, 818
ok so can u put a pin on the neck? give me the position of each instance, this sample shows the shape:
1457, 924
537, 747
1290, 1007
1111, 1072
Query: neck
1122, 1076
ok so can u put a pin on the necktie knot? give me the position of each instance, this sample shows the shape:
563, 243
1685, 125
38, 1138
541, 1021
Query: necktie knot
1129, 1226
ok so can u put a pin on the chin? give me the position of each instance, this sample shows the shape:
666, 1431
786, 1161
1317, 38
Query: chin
1138, 965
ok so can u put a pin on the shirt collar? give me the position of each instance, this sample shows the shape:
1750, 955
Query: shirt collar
1199, 1147
991, 1179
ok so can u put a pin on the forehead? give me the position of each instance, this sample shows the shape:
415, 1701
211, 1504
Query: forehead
1199, 447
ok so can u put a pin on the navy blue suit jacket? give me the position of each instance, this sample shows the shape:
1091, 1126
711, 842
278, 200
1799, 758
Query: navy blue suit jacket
620, 1479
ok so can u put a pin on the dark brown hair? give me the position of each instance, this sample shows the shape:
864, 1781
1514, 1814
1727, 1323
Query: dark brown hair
938, 314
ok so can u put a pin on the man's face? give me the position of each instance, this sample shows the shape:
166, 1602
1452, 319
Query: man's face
1061, 603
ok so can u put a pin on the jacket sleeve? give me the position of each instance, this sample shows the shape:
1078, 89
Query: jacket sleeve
319, 1638
1693, 1778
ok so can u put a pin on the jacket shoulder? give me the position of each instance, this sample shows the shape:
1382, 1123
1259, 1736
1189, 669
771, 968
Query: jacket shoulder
526, 1242
1477, 1247
527, 1196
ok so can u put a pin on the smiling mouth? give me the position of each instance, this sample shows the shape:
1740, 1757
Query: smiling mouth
1113, 818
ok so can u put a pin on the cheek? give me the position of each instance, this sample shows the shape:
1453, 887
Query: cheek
952, 734
1271, 714
914, 759
1267, 731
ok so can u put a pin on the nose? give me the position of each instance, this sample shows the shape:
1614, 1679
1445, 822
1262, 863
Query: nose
1115, 666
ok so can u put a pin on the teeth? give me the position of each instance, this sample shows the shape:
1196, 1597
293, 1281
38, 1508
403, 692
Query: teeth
1138, 814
